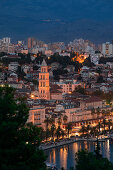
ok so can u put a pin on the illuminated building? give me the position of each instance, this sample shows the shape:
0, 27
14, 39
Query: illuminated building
107, 49
45, 91
44, 87
37, 115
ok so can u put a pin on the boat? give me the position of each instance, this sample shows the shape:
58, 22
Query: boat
51, 166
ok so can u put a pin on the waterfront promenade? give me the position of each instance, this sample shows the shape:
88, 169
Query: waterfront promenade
51, 145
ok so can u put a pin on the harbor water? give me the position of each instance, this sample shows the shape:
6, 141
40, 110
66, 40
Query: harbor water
64, 156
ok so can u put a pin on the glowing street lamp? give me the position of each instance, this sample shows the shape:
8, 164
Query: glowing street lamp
32, 96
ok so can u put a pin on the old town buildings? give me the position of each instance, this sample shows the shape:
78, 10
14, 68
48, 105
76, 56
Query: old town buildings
59, 99
63, 83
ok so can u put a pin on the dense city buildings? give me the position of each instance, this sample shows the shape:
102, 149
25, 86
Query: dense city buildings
60, 80
56, 85
68, 88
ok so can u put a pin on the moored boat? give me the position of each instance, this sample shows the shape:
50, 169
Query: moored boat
51, 166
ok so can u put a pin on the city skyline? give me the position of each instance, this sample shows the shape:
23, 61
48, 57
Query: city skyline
56, 84
57, 21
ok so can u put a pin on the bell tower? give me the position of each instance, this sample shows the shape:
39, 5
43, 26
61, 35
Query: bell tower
44, 88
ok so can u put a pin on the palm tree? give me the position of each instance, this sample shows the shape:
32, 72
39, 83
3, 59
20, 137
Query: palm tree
94, 131
99, 126
58, 132
98, 111
53, 130
47, 134
62, 133
103, 112
65, 119
69, 128
108, 113
42, 134
88, 129
93, 111
83, 130
59, 121
109, 123
104, 123
47, 122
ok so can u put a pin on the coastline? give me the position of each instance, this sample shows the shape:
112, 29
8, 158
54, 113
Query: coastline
69, 141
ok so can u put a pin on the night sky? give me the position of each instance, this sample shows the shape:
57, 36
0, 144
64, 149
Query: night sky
57, 20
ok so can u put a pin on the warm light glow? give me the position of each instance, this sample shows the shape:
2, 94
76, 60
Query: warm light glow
70, 92
32, 96
79, 57
77, 134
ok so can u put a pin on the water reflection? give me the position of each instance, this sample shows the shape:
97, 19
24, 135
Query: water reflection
108, 150
65, 156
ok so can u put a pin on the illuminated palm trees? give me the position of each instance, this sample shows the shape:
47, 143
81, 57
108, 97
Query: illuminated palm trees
47, 122
104, 124
65, 119
47, 134
94, 131
109, 123
93, 111
103, 112
98, 111
53, 128
83, 130
87, 131
88, 128
99, 126
69, 128
62, 133
58, 132
59, 121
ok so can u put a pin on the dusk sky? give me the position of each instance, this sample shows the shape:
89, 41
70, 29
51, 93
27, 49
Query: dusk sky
57, 20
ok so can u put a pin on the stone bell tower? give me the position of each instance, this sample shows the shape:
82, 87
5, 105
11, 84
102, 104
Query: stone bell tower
44, 87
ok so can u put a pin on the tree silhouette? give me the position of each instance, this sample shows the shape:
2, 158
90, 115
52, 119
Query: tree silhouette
19, 142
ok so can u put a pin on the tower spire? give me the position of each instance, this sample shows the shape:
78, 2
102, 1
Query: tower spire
43, 63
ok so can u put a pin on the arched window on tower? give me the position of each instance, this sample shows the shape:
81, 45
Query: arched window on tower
43, 77
43, 84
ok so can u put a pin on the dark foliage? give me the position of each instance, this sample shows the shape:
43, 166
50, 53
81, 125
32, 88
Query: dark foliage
19, 142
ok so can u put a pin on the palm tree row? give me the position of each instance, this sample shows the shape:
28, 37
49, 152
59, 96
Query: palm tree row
100, 128
53, 132
103, 112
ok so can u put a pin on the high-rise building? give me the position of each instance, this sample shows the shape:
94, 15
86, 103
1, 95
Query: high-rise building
6, 40
107, 49
30, 42
44, 85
